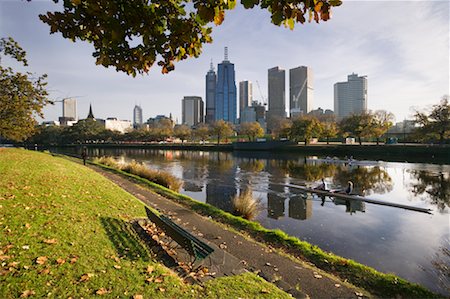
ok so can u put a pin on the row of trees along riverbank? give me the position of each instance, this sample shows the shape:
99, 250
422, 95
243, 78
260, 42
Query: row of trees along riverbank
433, 127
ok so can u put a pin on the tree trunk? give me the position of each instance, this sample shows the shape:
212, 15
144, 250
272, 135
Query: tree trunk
328, 141
378, 141
359, 140
218, 139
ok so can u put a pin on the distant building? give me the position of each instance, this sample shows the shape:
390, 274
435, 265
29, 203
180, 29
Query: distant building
211, 82
245, 95
160, 121
350, 97
122, 126
137, 116
225, 101
301, 90
248, 114
70, 109
277, 96
192, 111
90, 114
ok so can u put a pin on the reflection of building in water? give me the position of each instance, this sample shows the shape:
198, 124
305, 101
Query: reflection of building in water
300, 208
193, 178
351, 206
221, 188
276, 195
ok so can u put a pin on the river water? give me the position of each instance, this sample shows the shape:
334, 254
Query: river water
412, 245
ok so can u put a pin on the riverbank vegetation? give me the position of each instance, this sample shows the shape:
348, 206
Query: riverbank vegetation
160, 177
66, 233
377, 283
246, 205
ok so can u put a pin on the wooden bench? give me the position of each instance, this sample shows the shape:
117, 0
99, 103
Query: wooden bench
196, 248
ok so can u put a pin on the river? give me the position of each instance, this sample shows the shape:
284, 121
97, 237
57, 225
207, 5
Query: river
412, 245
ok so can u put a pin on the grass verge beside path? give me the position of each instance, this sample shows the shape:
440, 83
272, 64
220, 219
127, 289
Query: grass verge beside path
377, 283
65, 233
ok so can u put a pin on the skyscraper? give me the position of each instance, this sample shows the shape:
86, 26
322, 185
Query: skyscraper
277, 96
301, 91
137, 116
192, 111
70, 109
350, 97
211, 81
245, 95
225, 103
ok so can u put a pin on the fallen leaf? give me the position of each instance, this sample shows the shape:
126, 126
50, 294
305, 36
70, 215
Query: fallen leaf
41, 260
337, 285
27, 225
150, 269
264, 291
27, 294
86, 277
73, 260
45, 271
318, 276
4, 257
60, 261
149, 280
50, 241
138, 296
162, 290
102, 291
26, 247
359, 294
158, 280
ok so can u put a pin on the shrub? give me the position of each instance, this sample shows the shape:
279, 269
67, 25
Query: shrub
246, 205
159, 177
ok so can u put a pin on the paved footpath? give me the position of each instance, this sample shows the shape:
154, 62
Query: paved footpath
299, 278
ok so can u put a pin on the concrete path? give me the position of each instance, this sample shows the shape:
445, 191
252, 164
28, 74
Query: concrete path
299, 278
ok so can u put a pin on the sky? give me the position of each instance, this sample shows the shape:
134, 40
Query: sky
401, 46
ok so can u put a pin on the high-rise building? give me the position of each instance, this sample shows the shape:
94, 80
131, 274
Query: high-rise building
137, 116
301, 91
192, 111
245, 95
277, 96
225, 103
211, 81
70, 108
350, 97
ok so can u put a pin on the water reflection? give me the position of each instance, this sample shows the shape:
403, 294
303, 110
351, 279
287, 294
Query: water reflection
300, 208
220, 187
435, 188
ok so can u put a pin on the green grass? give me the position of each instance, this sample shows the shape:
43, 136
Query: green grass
65, 232
377, 283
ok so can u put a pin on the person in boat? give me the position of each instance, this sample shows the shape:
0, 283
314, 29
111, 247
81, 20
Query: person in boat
322, 186
349, 188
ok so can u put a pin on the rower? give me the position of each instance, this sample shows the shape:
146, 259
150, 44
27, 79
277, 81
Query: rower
349, 188
322, 186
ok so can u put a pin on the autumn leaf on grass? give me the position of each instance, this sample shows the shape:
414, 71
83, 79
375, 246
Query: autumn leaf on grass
45, 271
138, 296
41, 260
60, 261
50, 241
150, 269
27, 294
86, 277
102, 291
162, 290
158, 280
117, 266
73, 259
4, 257
27, 225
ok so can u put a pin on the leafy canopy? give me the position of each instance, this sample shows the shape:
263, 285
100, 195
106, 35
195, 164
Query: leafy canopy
437, 122
22, 95
132, 35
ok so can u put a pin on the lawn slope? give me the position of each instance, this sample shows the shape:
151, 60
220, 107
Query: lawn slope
65, 233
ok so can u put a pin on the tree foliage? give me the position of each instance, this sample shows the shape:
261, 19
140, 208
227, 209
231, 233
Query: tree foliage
221, 129
436, 123
358, 125
132, 35
182, 131
201, 132
305, 128
252, 130
382, 120
22, 95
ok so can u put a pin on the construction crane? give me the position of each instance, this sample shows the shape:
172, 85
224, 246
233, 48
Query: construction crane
264, 99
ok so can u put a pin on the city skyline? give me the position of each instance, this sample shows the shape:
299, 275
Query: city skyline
406, 61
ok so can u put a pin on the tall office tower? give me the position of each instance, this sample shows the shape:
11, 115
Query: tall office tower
70, 109
245, 95
277, 96
211, 81
137, 116
301, 91
192, 111
225, 104
350, 97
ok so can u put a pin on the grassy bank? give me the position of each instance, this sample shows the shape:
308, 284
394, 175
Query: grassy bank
65, 233
383, 285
